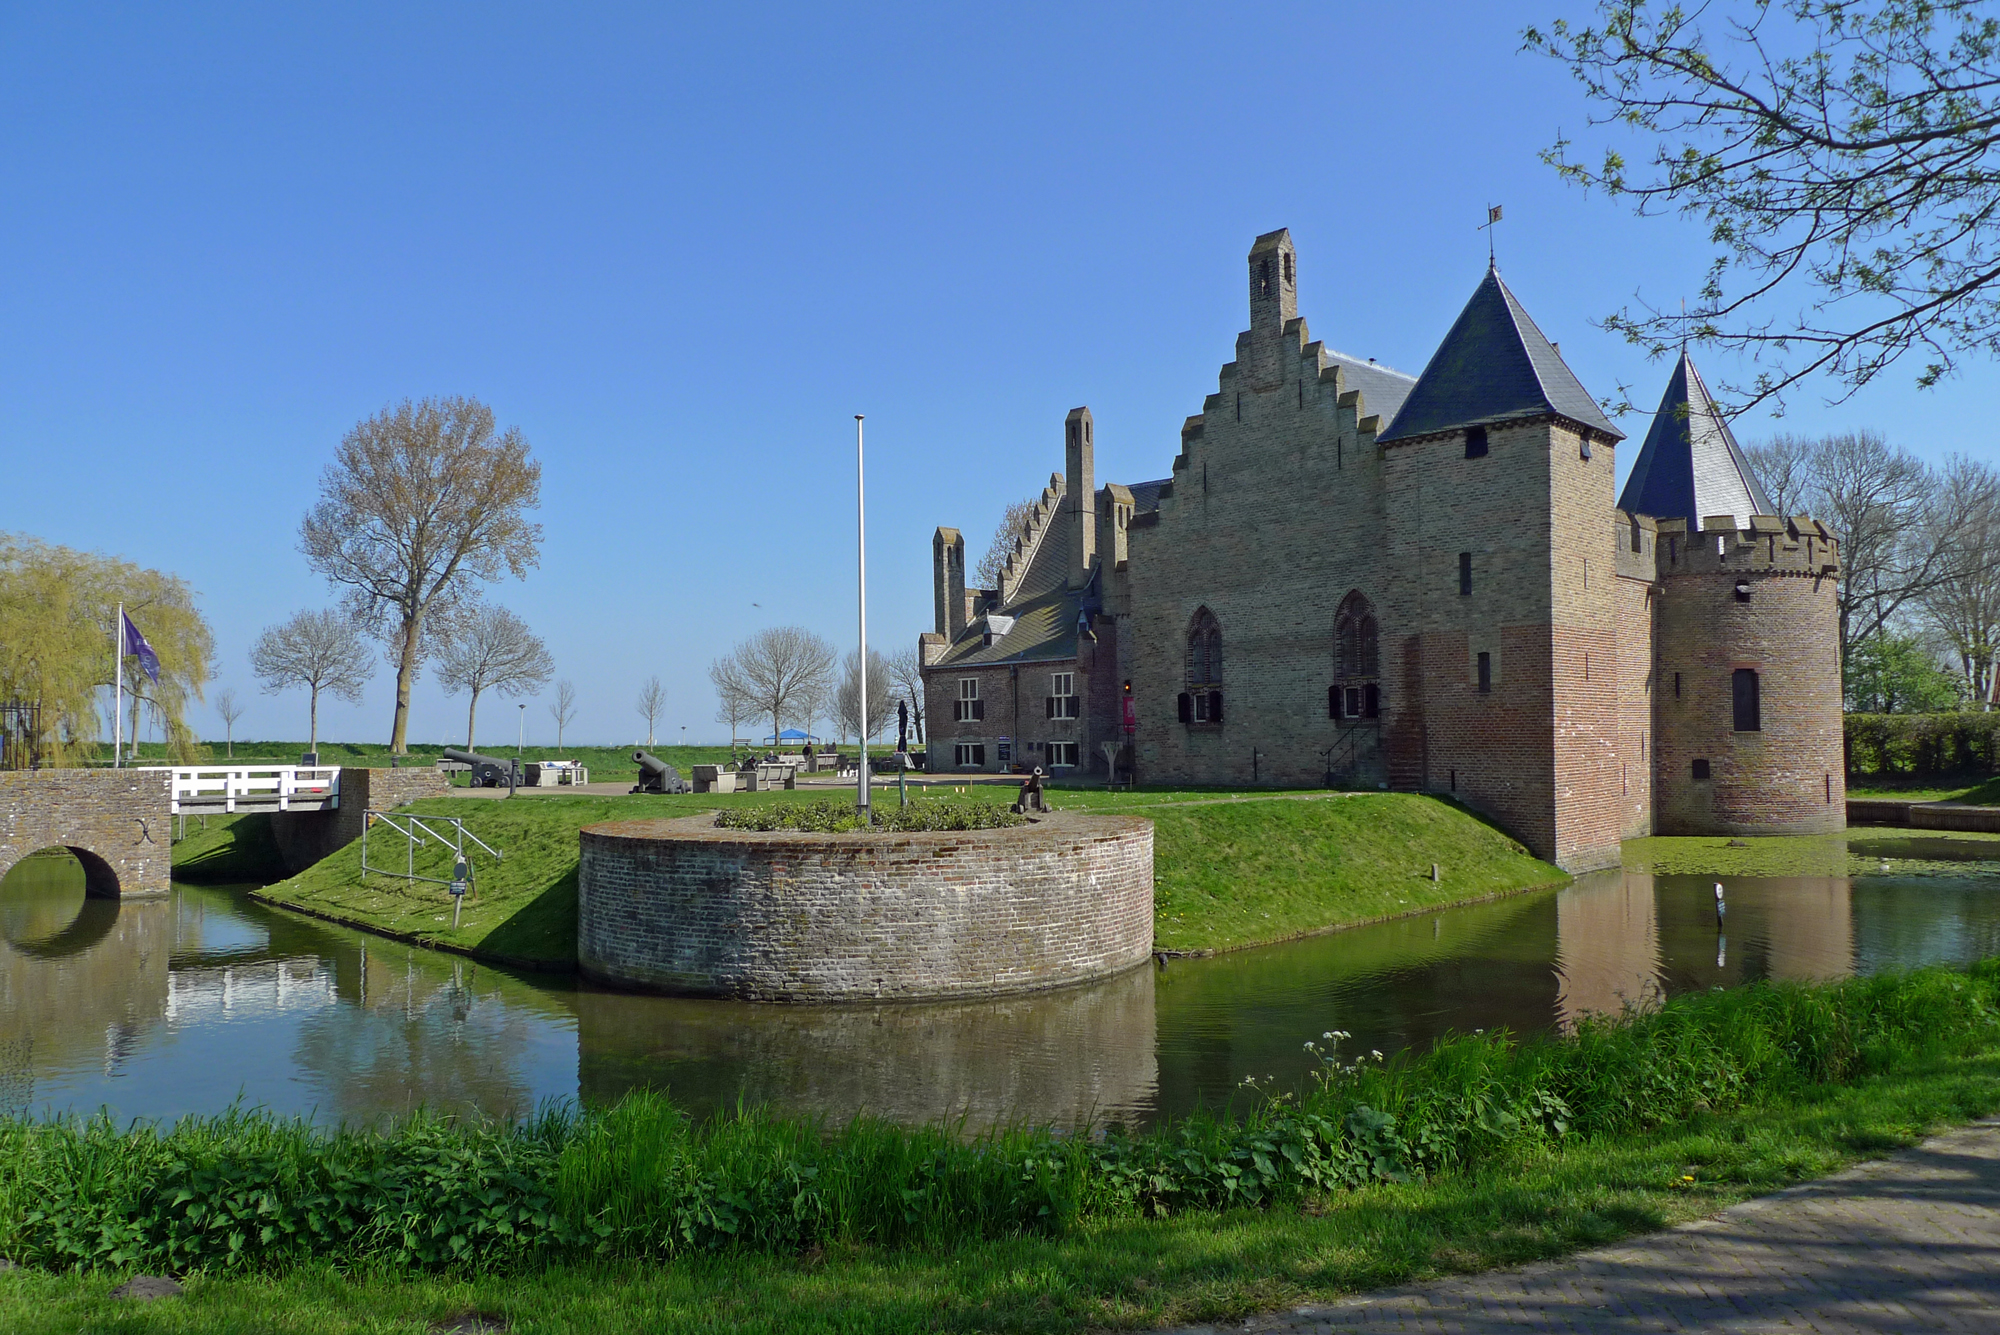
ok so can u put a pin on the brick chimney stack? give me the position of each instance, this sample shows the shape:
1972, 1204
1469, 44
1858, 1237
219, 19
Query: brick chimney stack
1079, 496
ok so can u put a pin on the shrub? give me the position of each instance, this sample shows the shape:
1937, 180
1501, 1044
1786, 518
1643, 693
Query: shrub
1923, 744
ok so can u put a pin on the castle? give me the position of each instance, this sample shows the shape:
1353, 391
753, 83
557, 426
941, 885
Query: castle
1354, 577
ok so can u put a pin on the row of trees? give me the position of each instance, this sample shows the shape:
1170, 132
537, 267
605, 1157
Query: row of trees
1919, 593
795, 678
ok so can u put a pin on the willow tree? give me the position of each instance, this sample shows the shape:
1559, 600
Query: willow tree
423, 503
57, 611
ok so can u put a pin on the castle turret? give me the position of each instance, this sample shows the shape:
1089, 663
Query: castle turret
1690, 466
1079, 497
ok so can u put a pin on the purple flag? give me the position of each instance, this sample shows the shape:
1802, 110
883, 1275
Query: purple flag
135, 644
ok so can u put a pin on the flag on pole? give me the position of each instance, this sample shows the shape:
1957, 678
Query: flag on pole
1492, 214
135, 645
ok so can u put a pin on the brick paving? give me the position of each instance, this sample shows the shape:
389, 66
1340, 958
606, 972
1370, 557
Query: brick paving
1909, 1243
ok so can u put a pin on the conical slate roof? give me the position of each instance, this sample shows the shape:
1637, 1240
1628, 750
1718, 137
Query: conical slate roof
1494, 366
1690, 465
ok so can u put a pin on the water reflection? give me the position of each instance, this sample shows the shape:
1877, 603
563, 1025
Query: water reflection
161, 1008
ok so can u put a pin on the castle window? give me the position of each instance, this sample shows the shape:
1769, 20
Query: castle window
968, 706
1357, 660
1583, 445
1062, 755
1264, 278
1677, 686
1635, 533
1701, 771
969, 755
1475, 443
1201, 702
1291, 275
1063, 701
1485, 672
1744, 694
1464, 574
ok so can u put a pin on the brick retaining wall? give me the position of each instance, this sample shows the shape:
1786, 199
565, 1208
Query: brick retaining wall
680, 906
115, 820
304, 837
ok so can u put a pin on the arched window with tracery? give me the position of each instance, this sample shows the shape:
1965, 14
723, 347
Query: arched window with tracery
1356, 692
1201, 701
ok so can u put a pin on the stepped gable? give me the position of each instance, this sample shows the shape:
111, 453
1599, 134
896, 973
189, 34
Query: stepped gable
1690, 466
1494, 366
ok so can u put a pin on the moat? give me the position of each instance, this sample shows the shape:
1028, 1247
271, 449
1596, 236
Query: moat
161, 1008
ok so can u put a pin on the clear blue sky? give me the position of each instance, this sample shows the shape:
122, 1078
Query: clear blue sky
680, 247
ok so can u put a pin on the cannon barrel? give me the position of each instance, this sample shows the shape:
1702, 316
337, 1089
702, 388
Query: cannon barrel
649, 764
657, 776
471, 758
486, 771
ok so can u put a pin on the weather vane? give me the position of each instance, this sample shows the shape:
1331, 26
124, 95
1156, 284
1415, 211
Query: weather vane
1492, 217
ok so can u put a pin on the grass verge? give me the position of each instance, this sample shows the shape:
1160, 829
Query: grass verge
1229, 871
1505, 1153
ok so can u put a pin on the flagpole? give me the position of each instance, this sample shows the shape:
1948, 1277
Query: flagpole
118, 675
861, 561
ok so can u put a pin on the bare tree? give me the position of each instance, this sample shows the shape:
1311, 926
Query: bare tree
734, 705
651, 704
779, 666
423, 502
564, 708
1963, 606
987, 573
319, 650
229, 709
881, 708
1894, 525
491, 649
1844, 158
908, 675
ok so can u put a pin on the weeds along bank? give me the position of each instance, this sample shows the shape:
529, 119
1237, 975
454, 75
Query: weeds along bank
246, 1193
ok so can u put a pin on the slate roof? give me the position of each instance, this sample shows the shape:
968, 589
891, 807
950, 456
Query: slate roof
1044, 608
1382, 389
1690, 465
1494, 366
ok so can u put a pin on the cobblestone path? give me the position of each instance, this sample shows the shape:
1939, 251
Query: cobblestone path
1905, 1244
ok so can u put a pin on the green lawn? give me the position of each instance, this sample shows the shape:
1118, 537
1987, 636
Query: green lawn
1230, 871
608, 764
1979, 792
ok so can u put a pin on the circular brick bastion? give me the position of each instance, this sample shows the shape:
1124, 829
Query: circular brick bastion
681, 906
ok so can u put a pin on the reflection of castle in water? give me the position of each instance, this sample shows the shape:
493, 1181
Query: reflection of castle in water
1066, 1057
1632, 939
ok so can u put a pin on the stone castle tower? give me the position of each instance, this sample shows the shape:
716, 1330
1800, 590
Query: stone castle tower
1354, 576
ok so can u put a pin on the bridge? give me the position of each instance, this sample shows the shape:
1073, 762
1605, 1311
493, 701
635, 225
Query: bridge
119, 822
228, 789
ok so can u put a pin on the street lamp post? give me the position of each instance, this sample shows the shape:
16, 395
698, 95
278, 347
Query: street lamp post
861, 565
521, 738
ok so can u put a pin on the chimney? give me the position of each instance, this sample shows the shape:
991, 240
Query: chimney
1079, 497
948, 581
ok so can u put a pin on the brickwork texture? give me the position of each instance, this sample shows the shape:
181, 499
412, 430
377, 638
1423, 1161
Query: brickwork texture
681, 906
116, 822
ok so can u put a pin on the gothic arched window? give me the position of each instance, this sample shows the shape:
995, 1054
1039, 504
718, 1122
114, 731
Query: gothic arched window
1356, 690
1201, 702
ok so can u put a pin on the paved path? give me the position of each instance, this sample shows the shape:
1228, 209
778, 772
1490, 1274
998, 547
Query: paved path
1906, 1244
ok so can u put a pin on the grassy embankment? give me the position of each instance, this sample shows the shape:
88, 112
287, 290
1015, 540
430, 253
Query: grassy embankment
1229, 872
1983, 792
608, 764
1860, 851
1478, 1153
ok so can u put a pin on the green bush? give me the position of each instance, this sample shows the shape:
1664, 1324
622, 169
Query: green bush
829, 816
1923, 744
247, 1191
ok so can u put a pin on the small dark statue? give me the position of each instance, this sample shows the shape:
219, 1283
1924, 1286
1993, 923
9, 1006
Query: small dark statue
1031, 794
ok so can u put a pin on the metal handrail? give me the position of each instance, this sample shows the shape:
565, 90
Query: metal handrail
417, 832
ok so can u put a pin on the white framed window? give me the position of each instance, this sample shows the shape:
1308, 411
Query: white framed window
1062, 755
968, 707
969, 755
1063, 701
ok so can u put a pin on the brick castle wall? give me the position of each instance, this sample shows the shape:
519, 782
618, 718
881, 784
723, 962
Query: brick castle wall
304, 837
116, 821
1788, 777
680, 906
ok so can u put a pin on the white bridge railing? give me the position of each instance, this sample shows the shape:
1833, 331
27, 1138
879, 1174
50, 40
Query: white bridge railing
232, 788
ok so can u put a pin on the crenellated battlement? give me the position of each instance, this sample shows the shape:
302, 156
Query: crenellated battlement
1771, 544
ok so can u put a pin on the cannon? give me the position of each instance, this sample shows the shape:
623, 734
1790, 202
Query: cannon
657, 776
486, 771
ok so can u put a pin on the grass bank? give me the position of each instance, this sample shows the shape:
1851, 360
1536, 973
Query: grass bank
1229, 871
1480, 1152
1861, 851
1981, 790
